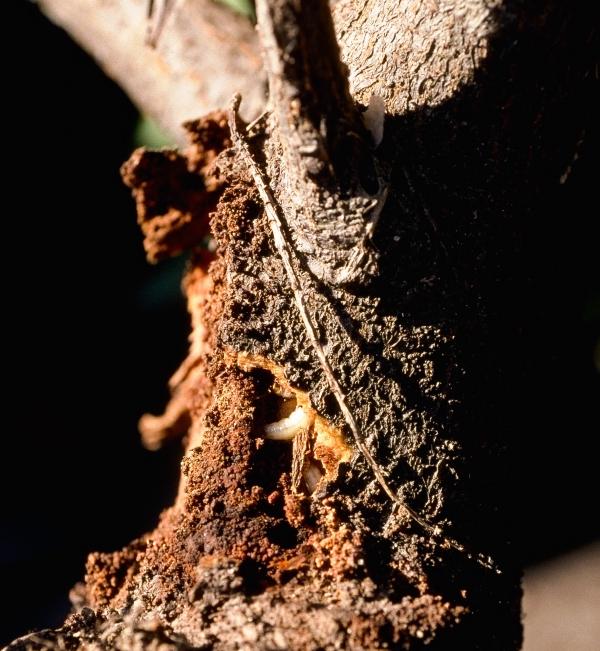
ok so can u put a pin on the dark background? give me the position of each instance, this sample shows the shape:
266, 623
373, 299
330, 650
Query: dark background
92, 332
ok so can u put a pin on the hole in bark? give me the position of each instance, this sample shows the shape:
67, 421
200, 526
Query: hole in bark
272, 460
272, 405
254, 577
274, 457
296, 448
283, 535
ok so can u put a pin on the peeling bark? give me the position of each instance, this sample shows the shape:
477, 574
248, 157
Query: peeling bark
347, 401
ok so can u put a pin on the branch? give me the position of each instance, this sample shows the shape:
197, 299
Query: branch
205, 53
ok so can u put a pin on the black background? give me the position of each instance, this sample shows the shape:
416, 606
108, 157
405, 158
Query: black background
91, 333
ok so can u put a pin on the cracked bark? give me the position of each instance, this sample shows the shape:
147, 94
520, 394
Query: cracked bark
275, 544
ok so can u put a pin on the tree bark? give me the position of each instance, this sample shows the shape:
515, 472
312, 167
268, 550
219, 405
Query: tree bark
353, 378
204, 53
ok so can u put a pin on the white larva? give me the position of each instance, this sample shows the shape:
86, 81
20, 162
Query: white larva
287, 428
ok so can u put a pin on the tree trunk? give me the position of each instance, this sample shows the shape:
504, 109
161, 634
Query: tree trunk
354, 379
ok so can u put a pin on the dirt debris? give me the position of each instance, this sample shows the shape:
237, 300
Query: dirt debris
176, 191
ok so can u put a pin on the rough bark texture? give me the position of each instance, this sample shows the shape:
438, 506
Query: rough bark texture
372, 526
